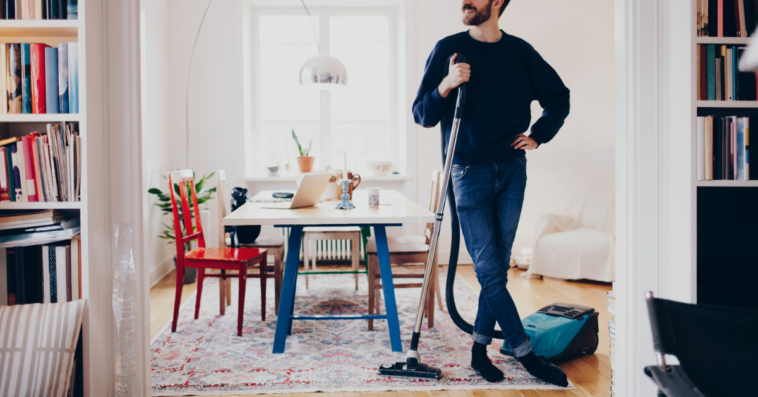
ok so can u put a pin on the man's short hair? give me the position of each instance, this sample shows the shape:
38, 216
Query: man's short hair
502, 7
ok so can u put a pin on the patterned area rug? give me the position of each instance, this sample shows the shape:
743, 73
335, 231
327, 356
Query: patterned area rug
206, 357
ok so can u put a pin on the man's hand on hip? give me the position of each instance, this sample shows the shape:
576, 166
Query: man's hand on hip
524, 142
459, 73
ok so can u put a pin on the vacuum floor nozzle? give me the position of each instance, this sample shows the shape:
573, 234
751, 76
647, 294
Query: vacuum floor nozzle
419, 371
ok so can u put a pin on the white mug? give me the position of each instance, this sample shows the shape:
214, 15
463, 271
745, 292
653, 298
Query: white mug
373, 196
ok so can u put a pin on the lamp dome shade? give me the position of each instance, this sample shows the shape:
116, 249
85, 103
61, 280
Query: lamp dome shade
323, 72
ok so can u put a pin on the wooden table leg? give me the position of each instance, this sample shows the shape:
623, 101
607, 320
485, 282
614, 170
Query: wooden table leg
222, 294
356, 255
385, 269
287, 304
278, 253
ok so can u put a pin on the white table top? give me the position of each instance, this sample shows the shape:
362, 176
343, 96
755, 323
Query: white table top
394, 208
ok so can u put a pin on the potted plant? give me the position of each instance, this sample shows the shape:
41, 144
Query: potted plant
304, 162
164, 203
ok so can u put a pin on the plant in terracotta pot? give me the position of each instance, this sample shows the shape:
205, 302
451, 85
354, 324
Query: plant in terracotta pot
304, 162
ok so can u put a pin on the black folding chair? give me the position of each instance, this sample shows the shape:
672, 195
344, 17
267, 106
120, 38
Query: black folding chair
717, 349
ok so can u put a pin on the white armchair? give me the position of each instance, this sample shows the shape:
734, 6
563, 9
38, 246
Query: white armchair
580, 243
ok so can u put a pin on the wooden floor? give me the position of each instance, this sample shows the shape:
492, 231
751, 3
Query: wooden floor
590, 374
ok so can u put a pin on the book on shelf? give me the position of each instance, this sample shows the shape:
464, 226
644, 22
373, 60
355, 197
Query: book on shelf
726, 18
26, 79
718, 77
39, 78
14, 78
73, 77
40, 235
51, 79
723, 148
63, 78
43, 166
38, 9
46, 273
4, 191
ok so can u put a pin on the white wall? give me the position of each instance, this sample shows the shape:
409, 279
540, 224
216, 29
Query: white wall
575, 37
157, 153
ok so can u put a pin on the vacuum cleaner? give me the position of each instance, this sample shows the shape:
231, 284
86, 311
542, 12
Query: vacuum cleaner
556, 331
560, 330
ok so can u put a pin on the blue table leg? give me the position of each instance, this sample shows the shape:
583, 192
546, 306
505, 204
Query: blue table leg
289, 281
292, 309
383, 253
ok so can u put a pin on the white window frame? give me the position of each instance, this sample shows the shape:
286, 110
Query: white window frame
252, 77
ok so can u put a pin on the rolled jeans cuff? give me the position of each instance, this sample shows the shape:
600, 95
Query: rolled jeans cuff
483, 339
523, 348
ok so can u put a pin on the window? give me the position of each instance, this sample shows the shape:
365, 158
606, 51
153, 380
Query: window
359, 118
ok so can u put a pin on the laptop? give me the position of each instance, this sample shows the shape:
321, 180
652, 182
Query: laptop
308, 193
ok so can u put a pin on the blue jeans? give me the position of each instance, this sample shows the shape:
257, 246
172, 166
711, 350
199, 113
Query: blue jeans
489, 198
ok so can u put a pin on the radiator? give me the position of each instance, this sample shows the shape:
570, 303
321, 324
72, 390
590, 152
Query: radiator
331, 250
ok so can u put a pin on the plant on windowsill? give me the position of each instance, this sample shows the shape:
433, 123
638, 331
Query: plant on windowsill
304, 162
164, 203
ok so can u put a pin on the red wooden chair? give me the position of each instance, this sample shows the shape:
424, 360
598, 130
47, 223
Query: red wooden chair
202, 258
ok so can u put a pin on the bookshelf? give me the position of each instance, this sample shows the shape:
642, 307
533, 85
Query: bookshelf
722, 40
38, 118
727, 183
727, 104
723, 242
54, 32
54, 29
40, 206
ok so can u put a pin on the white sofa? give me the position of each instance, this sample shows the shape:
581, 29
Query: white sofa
579, 243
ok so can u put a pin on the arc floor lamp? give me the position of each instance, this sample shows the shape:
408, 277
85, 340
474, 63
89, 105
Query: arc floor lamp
322, 71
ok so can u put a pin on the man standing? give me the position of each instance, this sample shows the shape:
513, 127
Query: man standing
504, 75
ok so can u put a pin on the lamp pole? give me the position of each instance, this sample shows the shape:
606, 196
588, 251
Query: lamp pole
189, 76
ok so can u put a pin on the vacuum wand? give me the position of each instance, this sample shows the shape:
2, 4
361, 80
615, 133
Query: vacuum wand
413, 367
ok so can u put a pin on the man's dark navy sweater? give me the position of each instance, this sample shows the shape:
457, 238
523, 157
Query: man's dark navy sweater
506, 76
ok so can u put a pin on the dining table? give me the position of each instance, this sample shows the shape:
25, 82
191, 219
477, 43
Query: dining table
394, 210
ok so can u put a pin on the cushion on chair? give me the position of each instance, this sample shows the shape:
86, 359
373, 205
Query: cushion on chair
400, 248
265, 242
225, 254
576, 254
38, 358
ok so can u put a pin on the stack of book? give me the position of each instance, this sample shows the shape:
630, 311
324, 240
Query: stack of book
726, 18
39, 257
719, 79
42, 166
39, 9
723, 149
612, 333
35, 227
40, 79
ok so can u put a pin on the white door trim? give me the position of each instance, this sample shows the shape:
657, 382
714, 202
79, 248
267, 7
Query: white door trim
638, 125
114, 196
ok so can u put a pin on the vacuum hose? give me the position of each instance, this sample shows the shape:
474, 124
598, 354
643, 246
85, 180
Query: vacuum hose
455, 245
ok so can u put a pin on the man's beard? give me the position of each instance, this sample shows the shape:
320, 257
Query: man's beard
479, 17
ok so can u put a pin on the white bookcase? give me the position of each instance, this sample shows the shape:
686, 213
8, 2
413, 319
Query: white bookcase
53, 32
719, 236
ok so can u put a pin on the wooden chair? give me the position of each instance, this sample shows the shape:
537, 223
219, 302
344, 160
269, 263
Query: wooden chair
204, 258
315, 234
274, 246
405, 250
